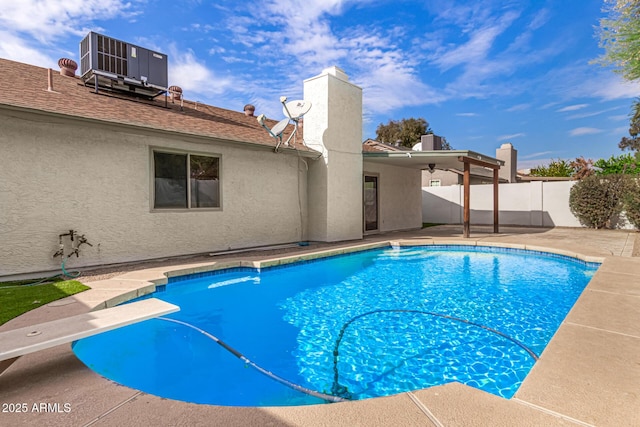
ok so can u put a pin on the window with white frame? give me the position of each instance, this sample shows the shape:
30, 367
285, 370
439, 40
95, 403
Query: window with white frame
435, 183
185, 181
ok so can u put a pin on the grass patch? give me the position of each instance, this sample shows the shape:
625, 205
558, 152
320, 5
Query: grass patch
429, 224
16, 300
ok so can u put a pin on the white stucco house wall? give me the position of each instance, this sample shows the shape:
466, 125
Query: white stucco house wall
114, 169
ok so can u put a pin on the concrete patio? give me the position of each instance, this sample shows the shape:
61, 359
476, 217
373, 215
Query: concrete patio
589, 374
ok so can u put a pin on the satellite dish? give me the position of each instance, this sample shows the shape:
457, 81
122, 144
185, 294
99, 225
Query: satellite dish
417, 147
296, 109
279, 127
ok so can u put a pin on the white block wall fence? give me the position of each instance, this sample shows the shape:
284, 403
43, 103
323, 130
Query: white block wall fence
543, 204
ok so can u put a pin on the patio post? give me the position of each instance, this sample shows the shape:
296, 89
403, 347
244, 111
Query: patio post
468, 161
495, 201
467, 206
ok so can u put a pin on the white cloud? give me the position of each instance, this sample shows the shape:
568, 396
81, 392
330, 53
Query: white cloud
302, 11
534, 155
467, 16
236, 60
16, 49
44, 20
306, 43
193, 76
518, 107
591, 114
32, 31
481, 61
539, 19
584, 131
623, 130
587, 81
467, 114
512, 136
611, 87
200, 28
522, 43
619, 117
303, 30
301, 38
389, 86
476, 49
549, 105
572, 108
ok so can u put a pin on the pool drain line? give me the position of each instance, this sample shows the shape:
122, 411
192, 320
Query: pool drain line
342, 391
260, 369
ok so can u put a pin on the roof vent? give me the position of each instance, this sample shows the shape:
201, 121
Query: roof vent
68, 67
175, 92
116, 65
249, 110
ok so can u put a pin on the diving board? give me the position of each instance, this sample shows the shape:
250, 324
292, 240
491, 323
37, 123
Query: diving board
18, 342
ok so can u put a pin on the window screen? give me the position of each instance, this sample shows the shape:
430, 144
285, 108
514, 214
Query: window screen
184, 181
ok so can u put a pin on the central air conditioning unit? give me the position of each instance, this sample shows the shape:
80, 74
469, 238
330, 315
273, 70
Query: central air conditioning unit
116, 65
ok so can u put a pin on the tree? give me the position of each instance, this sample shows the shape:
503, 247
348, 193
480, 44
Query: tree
620, 37
596, 199
579, 168
632, 202
560, 168
406, 132
582, 168
445, 144
633, 143
623, 164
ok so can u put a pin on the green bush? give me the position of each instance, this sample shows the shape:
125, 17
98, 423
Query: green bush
625, 163
595, 199
632, 202
555, 168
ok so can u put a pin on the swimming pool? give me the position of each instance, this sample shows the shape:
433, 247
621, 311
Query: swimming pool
367, 324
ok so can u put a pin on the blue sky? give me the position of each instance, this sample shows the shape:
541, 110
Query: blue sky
481, 72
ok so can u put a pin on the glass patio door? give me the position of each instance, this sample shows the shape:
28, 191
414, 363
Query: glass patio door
370, 203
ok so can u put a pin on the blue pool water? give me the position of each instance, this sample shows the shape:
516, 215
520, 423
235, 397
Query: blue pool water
401, 315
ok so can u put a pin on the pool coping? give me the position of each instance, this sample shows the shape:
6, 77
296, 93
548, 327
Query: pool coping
566, 386
162, 276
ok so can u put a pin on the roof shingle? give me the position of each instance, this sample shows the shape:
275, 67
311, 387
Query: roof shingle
25, 86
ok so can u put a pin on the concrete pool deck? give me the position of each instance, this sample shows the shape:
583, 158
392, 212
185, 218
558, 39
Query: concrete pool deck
589, 374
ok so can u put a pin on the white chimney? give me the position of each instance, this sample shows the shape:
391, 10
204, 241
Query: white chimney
509, 155
333, 127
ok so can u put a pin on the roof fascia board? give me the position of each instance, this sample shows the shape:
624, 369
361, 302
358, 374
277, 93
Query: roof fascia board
479, 162
436, 153
461, 155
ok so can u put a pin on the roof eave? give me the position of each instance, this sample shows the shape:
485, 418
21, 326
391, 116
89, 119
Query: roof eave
415, 159
310, 153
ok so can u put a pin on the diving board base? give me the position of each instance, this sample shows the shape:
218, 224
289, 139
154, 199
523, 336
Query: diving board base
4, 364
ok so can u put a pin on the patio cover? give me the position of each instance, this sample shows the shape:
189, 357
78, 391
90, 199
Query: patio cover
446, 159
